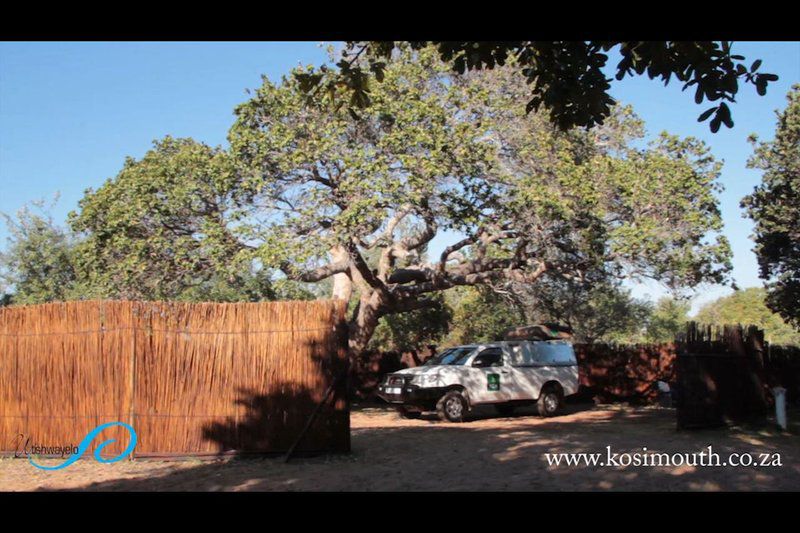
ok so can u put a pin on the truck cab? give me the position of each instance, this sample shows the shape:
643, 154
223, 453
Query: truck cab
505, 374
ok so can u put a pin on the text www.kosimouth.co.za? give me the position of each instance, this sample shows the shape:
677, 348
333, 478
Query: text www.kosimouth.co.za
645, 458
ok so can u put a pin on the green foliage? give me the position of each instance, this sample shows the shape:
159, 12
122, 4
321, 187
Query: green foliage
589, 201
45, 262
287, 289
39, 260
774, 206
316, 184
563, 77
322, 177
430, 146
479, 315
600, 311
433, 152
247, 285
668, 319
414, 329
5, 296
161, 229
747, 307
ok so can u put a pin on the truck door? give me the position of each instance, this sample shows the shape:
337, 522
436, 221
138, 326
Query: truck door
489, 378
526, 381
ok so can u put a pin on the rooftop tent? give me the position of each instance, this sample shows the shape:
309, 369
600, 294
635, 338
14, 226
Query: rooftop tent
540, 332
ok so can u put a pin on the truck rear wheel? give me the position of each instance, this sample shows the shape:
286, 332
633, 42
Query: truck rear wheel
452, 407
549, 401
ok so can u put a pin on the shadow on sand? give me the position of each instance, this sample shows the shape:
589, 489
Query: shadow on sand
491, 453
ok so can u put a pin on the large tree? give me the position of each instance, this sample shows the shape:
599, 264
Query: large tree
324, 187
746, 307
161, 228
165, 228
566, 78
774, 206
479, 314
414, 330
668, 319
597, 310
38, 263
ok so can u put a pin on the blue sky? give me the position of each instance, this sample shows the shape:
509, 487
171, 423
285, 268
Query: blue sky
71, 112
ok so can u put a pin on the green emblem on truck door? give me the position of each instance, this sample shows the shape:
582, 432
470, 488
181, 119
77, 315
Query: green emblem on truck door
493, 382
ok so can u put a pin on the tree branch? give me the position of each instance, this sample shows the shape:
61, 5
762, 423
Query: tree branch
406, 245
407, 275
318, 274
452, 249
365, 273
390, 228
425, 236
472, 273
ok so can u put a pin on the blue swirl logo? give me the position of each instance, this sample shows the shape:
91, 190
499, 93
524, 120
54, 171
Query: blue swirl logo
87, 440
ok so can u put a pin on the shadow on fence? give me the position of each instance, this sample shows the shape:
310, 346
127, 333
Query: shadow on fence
274, 422
192, 379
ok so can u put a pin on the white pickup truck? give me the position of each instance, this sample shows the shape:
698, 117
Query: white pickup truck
506, 374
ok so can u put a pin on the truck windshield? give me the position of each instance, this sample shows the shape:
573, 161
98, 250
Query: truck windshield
452, 356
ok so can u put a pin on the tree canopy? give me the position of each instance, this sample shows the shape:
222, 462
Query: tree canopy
161, 229
667, 319
161, 225
597, 311
774, 207
312, 192
604, 313
747, 306
565, 78
39, 260
435, 152
479, 314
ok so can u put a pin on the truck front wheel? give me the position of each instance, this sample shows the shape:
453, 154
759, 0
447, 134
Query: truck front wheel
452, 407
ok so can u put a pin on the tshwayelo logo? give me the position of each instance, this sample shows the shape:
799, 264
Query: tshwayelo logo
75, 452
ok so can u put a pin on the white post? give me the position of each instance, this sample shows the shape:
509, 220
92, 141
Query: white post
780, 406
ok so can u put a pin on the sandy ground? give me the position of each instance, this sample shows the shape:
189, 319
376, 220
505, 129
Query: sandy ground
486, 453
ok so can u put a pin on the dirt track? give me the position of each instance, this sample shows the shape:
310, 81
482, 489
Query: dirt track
487, 453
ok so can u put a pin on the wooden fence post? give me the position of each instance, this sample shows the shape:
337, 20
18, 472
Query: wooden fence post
132, 381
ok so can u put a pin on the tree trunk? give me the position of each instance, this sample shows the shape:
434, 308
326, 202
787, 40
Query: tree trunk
364, 322
342, 284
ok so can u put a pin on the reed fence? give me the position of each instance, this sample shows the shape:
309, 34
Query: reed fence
624, 372
192, 379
